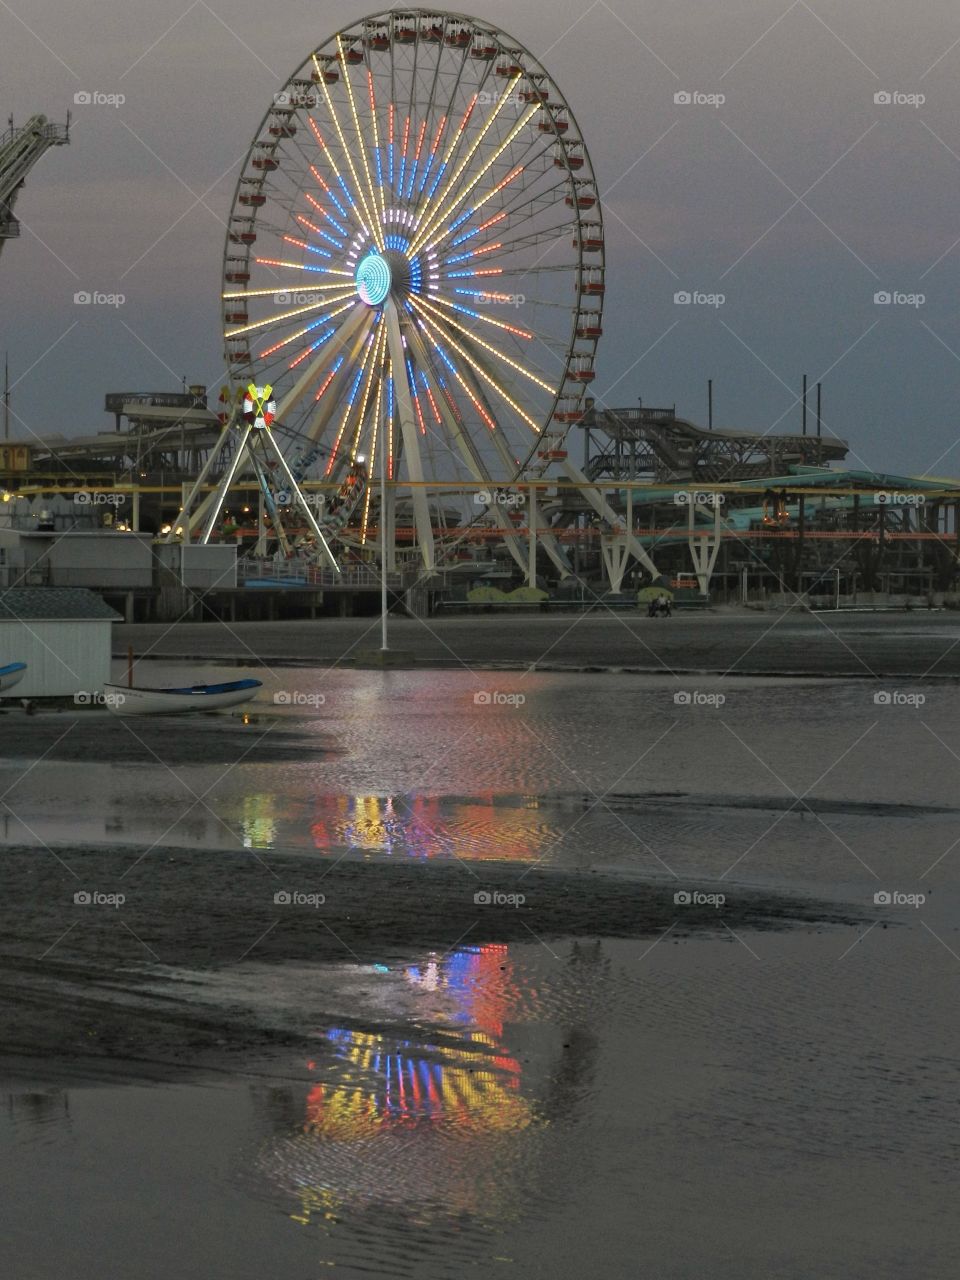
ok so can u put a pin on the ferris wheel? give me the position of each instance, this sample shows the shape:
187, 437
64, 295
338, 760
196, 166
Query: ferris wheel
414, 260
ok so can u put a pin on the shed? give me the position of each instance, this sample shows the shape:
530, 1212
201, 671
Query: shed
63, 634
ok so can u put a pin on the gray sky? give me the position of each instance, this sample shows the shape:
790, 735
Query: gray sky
798, 199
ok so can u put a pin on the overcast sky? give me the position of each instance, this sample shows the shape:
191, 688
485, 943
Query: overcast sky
798, 198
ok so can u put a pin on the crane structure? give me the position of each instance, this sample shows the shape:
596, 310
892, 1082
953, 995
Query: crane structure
20, 149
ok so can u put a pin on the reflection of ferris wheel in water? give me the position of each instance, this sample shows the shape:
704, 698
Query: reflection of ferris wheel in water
414, 260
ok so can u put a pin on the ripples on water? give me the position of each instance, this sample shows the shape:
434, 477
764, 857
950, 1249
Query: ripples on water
590, 771
775, 1105
542, 1109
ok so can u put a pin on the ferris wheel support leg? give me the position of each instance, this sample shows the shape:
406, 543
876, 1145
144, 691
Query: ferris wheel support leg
408, 428
615, 553
603, 508
301, 502
546, 539
532, 536
219, 497
266, 501
471, 457
190, 496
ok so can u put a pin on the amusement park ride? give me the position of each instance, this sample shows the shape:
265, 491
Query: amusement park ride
414, 274
412, 296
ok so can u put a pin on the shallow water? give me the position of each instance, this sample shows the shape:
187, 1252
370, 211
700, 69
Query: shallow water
605, 770
762, 1104
700, 1110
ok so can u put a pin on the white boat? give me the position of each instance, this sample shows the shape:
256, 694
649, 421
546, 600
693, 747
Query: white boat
11, 674
137, 701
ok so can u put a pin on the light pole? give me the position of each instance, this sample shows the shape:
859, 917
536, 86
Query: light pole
383, 538
383, 541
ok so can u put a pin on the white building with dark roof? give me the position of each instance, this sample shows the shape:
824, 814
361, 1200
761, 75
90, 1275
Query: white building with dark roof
63, 634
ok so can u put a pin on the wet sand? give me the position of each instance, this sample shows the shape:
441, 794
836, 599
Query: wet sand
65, 735
403, 1080
741, 642
104, 990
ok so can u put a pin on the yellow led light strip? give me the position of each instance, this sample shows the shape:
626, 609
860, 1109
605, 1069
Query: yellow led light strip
427, 220
299, 266
288, 315
376, 144
378, 344
499, 324
472, 364
263, 293
373, 228
422, 302
428, 227
346, 413
378, 230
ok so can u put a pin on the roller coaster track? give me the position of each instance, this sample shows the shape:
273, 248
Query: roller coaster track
656, 444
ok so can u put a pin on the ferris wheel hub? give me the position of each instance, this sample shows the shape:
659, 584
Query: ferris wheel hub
381, 274
374, 279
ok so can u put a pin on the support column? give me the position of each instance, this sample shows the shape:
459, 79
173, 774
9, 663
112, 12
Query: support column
408, 428
615, 549
532, 541
703, 551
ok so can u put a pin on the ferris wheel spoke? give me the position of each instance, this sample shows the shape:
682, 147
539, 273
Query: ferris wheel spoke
537, 146
539, 337
370, 225
514, 330
432, 380
508, 459
474, 339
439, 336
362, 148
301, 266
525, 203
372, 377
357, 320
540, 237
292, 315
371, 343
540, 202
453, 146
442, 213
408, 431
445, 422
267, 352
434, 207
444, 120
376, 142
353, 212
